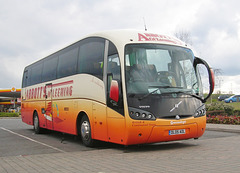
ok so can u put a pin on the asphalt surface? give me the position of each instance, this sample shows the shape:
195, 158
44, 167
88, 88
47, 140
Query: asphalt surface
23, 151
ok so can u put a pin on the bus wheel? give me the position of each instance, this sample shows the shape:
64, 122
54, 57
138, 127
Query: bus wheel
36, 126
86, 132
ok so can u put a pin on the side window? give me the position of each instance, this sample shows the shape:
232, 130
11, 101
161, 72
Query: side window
91, 55
29, 77
187, 74
36, 75
50, 69
114, 73
113, 64
67, 63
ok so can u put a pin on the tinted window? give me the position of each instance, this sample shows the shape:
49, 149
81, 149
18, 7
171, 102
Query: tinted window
67, 63
36, 75
91, 57
29, 77
50, 69
113, 62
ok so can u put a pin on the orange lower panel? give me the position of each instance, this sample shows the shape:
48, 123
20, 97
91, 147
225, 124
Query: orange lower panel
161, 133
147, 132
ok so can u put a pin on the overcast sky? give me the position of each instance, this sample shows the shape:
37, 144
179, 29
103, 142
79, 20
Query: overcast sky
33, 29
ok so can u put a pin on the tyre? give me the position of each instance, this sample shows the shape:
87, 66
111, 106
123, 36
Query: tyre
85, 133
36, 126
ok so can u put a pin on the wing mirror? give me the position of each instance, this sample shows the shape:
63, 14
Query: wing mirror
211, 80
114, 91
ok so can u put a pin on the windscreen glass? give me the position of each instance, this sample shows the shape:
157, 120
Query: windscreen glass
156, 69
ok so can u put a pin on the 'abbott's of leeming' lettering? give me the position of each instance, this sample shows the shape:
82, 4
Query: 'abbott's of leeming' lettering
63, 89
35, 93
157, 37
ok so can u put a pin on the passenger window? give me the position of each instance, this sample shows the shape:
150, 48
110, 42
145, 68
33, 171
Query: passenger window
28, 83
50, 69
91, 57
67, 63
36, 75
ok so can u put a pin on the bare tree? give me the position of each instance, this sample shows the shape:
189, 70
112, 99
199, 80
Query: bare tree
218, 78
184, 35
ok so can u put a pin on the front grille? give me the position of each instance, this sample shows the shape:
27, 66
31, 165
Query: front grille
173, 117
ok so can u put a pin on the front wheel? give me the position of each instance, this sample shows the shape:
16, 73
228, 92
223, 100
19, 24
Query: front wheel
86, 132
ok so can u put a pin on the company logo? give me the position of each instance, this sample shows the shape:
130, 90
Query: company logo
157, 37
13, 89
177, 117
178, 122
63, 89
176, 106
144, 107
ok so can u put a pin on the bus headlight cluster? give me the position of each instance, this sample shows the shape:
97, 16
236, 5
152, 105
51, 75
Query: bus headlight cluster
201, 111
139, 114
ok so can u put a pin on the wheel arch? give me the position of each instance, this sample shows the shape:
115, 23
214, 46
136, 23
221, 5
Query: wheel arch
78, 122
34, 111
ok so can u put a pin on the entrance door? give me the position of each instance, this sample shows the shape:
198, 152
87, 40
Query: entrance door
115, 110
100, 121
48, 106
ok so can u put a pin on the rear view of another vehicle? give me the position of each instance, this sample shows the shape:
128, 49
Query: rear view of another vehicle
223, 97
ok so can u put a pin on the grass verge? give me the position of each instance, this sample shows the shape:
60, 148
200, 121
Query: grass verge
7, 114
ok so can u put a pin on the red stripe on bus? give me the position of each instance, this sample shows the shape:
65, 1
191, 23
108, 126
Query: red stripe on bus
62, 83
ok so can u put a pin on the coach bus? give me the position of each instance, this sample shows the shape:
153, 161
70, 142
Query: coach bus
125, 87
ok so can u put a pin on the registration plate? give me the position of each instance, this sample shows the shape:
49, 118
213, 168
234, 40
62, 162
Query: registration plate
177, 132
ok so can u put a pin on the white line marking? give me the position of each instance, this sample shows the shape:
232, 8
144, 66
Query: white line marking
30, 139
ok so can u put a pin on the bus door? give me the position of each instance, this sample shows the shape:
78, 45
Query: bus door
115, 110
100, 121
48, 106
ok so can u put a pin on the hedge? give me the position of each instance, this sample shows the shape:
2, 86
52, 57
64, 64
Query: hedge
220, 119
7, 114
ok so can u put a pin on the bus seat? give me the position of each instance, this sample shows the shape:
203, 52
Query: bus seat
152, 72
145, 72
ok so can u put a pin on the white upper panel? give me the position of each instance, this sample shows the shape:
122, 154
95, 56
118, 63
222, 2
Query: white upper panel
134, 36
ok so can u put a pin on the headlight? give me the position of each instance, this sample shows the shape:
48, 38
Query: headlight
139, 114
201, 111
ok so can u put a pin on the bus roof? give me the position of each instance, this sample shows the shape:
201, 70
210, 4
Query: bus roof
123, 37
134, 36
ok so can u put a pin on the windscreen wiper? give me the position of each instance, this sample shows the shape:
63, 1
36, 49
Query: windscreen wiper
181, 92
146, 95
158, 88
193, 95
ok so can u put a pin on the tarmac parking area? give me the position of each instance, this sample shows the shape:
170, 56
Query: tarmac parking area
23, 151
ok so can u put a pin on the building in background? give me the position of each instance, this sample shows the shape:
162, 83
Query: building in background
10, 100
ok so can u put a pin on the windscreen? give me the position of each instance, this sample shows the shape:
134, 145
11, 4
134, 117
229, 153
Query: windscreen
160, 78
158, 69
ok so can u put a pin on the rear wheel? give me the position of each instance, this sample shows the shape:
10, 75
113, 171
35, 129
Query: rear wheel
85, 133
36, 126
